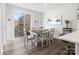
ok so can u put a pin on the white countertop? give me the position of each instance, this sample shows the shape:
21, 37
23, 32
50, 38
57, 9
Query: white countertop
72, 37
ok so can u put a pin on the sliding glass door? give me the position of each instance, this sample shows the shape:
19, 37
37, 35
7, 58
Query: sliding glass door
22, 21
18, 26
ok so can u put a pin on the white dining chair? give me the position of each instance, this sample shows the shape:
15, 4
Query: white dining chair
45, 37
27, 38
51, 35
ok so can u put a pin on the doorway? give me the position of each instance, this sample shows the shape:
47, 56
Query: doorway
22, 21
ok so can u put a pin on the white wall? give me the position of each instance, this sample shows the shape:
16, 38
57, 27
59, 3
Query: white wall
35, 16
10, 24
68, 12
2, 26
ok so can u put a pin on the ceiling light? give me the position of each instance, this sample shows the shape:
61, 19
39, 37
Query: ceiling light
44, 5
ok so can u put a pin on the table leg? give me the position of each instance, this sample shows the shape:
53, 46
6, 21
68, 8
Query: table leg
76, 49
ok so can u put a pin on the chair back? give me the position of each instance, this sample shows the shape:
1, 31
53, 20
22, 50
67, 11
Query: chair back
45, 33
51, 33
52, 29
26, 34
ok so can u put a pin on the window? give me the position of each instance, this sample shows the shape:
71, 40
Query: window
17, 14
53, 21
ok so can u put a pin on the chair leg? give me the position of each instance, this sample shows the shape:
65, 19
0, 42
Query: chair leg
42, 43
36, 42
24, 42
27, 42
47, 42
52, 40
32, 42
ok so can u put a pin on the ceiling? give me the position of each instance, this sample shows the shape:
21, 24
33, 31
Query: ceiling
40, 7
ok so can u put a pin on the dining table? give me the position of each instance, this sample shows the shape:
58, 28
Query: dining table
38, 34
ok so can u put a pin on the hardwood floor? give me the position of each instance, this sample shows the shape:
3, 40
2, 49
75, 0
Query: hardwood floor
17, 47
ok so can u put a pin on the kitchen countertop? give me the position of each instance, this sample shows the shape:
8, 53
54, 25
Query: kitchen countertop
72, 37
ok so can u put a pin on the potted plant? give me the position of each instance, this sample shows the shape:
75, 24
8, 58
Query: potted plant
67, 23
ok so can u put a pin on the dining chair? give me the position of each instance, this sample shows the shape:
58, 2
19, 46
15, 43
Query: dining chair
51, 35
45, 36
28, 38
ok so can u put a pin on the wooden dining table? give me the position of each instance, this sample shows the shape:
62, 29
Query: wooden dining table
39, 33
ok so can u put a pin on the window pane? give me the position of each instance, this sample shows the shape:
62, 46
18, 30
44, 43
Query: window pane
17, 14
